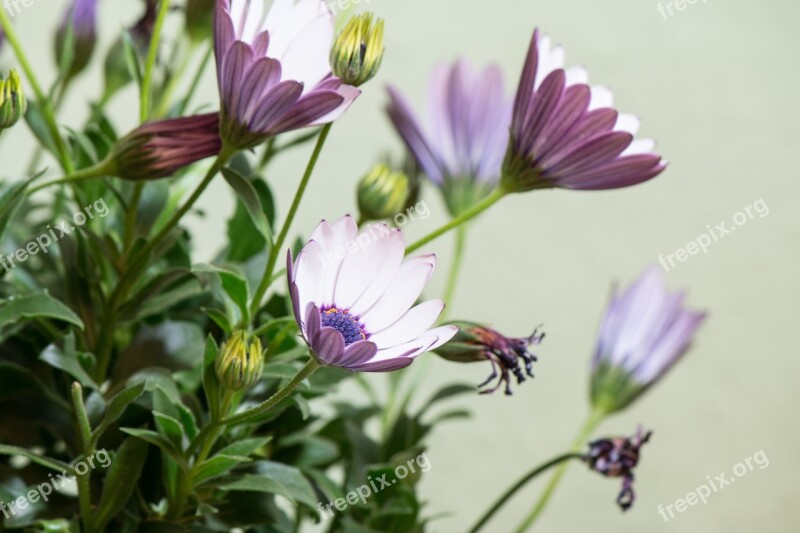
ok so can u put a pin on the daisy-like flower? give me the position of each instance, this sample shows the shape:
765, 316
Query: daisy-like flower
353, 294
565, 133
273, 69
461, 149
81, 16
645, 331
617, 457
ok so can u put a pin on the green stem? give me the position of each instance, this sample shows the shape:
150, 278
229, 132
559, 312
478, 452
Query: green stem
195, 81
44, 103
502, 500
455, 268
85, 433
275, 399
467, 215
278, 245
131, 215
594, 419
99, 170
147, 79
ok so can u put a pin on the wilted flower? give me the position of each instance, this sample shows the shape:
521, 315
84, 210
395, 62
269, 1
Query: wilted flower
566, 134
116, 71
160, 149
461, 150
199, 19
474, 342
358, 51
12, 100
352, 295
617, 457
240, 362
81, 19
645, 331
273, 71
382, 193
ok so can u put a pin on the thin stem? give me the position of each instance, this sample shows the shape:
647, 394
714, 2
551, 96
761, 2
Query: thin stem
275, 399
278, 245
467, 215
44, 103
147, 79
130, 216
594, 419
502, 500
85, 435
455, 268
99, 170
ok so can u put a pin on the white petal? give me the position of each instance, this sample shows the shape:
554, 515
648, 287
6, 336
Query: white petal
350, 94
411, 325
577, 75
430, 340
640, 146
408, 284
307, 57
393, 258
627, 122
308, 272
361, 266
601, 97
254, 21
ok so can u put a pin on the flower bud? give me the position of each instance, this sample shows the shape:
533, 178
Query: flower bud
474, 342
160, 149
617, 457
12, 100
382, 193
199, 19
358, 52
240, 363
81, 20
115, 67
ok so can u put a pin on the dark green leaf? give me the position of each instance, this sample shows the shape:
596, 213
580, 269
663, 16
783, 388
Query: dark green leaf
36, 305
217, 466
121, 480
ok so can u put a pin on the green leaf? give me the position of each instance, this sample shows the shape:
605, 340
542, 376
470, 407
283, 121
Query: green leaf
276, 478
217, 466
249, 197
245, 447
47, 462
116, 407
12, 196
132, 58
170, 428
67, 360
35, 305
121, 480
234, 285
154, 438
211, 384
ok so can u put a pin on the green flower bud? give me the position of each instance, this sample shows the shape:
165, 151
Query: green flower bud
382, 193
358, 52
240, 363
12, 100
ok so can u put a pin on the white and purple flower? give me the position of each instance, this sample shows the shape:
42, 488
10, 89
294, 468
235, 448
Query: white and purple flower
353, 294
645, 331
565, 133
273, 69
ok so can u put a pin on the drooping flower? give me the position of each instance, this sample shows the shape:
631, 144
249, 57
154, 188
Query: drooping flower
81, 19
565, 133
358, 51
475, 342
160, 149
645, 331
461, 149
353, 294
382, 193
12, 100
617, 457
273, 71
240, 362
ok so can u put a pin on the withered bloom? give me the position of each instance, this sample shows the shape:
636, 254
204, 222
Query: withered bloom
475, 342
617, 457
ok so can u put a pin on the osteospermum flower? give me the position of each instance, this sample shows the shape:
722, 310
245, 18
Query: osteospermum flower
645, 331
617, 457
461, 148
81, 17
273, 70
565, 133
352, 295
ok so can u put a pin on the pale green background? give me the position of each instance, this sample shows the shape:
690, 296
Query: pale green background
717, 85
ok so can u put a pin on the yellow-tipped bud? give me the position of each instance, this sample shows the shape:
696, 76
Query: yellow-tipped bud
382, 193
358, 52
240, 363
12, 100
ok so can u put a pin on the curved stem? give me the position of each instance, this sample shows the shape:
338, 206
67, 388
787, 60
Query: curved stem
147, 79
594, 419
275, 399
278, 244
99, 170
467, 215
518, 485
455, 268
44, 103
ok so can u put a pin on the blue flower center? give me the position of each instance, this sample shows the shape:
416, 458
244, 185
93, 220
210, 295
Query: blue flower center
345, 323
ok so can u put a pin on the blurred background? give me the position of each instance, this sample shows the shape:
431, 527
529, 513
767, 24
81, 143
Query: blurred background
713, 83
